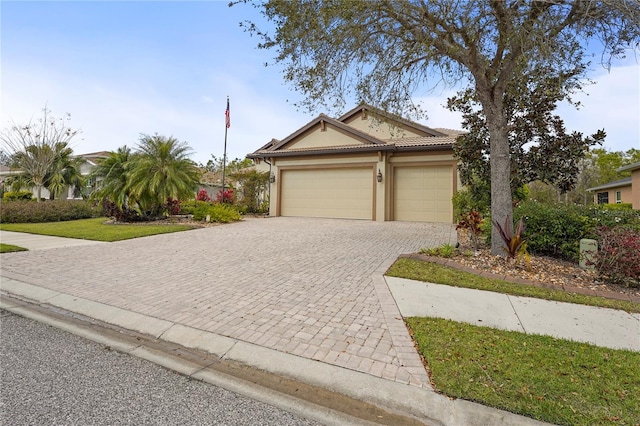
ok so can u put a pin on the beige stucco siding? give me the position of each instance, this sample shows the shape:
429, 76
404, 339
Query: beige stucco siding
318, 138
635, 189
380, 130
336, 192
422, 193
626, 194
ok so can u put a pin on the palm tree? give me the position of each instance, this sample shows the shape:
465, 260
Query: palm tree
161, 170
32, 146
64, 172
111, 175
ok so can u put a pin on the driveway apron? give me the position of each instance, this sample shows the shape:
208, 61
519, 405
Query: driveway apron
308, 287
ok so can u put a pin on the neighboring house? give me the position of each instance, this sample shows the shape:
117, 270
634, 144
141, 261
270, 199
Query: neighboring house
362, 166
625, 190
91, 161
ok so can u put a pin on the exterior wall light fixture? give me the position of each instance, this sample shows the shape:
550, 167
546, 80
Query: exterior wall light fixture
379, 176
272, 177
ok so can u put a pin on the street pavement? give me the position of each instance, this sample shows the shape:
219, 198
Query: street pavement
304, 298
105, 387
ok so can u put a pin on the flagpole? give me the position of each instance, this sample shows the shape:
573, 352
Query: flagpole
224, 156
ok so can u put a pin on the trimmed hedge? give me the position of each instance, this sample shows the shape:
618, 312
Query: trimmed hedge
556, 230
17, 195
218, 212
46, 211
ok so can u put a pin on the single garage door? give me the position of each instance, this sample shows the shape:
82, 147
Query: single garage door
423, 194
334, 193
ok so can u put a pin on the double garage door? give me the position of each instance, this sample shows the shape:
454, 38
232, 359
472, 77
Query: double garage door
345, 193
419, 193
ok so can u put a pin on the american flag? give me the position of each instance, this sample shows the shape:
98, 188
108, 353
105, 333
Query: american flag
227, 115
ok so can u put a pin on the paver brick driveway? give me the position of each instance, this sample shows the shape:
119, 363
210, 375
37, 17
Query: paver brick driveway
309, 287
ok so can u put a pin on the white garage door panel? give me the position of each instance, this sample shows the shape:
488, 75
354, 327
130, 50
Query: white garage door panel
423, 194
332, 193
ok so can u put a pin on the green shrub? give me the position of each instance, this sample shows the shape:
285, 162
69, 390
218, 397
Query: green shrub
464, 201
17, 195
189, 206
556, 230
46, 211
219, 212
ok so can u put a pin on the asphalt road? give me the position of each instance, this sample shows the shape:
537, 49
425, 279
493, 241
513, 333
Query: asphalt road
48, 376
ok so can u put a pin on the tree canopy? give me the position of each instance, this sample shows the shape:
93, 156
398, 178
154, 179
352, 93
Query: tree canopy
384, 52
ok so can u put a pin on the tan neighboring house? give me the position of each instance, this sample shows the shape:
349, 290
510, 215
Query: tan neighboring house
362, 165
625, 190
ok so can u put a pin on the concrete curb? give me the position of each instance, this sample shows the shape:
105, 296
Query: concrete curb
420, 403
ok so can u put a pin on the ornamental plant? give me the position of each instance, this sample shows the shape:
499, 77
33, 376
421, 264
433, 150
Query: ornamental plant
203, 195
472, 222
618, 256
173, 206
515, 244
225, 196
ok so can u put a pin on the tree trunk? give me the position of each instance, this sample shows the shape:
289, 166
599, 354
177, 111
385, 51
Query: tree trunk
500, 161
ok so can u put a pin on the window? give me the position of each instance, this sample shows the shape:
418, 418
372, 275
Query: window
603, 197
618, 197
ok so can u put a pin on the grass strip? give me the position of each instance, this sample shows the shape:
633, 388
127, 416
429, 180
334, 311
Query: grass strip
10, 248
548, 379
421, 270
93, 229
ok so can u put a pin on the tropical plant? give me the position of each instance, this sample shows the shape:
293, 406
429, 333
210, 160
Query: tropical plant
225, 196
32, 147
472, 222
161, 170
515, 244
64, 172
202, 195
112, 179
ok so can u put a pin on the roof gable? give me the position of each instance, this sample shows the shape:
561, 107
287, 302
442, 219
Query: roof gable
324, 131
383, 125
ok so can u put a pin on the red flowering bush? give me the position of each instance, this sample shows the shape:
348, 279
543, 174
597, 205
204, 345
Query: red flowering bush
173, 206
203, 196
618, 256
225, 197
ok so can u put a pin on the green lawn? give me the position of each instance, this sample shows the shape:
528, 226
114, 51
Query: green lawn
9, 248
548, 379
431, 272
93, 229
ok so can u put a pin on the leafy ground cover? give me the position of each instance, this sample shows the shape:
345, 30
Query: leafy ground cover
10, 248
549, 379
94, 229
435, 273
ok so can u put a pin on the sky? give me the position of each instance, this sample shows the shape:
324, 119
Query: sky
126, 68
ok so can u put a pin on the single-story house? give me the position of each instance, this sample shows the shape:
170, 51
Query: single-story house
365, 164
625, 190
90, 162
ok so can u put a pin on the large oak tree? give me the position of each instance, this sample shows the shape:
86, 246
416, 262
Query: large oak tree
382, 52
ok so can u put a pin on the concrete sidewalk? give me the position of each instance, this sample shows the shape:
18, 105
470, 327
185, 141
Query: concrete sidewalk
599, 326
42, 242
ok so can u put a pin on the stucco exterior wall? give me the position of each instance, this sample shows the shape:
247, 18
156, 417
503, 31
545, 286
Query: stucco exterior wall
380, 130
635, 189
318, 138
